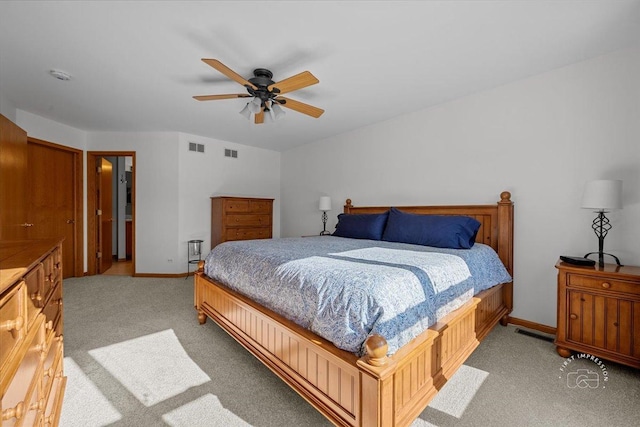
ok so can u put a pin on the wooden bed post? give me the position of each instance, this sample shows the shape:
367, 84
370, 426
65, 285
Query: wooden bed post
376, 379
505, 247
202, 317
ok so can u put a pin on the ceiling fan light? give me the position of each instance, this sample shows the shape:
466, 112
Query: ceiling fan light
276, 111
246, 112
255, 105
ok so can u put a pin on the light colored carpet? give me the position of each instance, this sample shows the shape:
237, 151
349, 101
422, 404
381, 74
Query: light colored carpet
136, 356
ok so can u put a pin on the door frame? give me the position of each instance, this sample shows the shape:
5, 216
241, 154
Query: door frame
92, 226
78, 197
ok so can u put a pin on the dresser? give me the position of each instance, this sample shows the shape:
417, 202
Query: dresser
240, 218
31, 327
599, 312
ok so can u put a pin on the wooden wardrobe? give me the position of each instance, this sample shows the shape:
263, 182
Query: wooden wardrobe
41, 193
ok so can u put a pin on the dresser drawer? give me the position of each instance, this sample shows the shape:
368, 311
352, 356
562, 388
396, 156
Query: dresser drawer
231, 206
53, 309
52, 271
248, 233
13, 322
34, 410
605, 284
51, 362
35, 289
248, 220
54, 400
18, 394
260, 206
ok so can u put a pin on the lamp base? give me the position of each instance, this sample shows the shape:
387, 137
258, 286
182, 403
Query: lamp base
601, 258
324, 233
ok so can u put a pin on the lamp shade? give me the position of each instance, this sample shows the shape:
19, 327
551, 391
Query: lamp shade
255, 105
325, 203
246, 112
276, 111
602, 195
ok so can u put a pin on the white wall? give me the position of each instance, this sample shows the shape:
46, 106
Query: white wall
51, 131
173, 187
7, 108
157, 193
541, 138
255, 173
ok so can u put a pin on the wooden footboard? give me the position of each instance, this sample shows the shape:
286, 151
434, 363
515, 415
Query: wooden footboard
375, 390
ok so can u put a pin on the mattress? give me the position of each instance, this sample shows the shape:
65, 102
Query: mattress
347, 289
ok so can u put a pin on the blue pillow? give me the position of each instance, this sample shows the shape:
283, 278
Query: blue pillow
361, 226
440, 231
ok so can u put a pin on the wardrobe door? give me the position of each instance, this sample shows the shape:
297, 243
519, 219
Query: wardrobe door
52, 198
13, 181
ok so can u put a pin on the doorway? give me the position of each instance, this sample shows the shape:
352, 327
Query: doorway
111, 212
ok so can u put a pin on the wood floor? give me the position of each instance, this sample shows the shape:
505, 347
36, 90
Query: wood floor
120, 268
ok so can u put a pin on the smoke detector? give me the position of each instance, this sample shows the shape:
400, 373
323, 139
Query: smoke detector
60, 75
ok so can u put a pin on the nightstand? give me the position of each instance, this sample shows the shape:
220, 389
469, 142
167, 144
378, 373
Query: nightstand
599, 312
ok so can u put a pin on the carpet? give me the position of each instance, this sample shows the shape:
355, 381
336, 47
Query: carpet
136, 356
153, 368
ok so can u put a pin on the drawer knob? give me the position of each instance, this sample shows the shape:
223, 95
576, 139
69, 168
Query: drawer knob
49, 325
16, 412
606, 285
573, 316
48, 372
37, 406
12, 325
36, 296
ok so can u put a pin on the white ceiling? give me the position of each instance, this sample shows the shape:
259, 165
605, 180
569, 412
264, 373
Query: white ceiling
136, 65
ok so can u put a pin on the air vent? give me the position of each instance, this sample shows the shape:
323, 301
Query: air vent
231, 153
196, 147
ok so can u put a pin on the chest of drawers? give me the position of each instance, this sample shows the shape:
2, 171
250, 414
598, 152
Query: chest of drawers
31, 326
240, 218
599, 312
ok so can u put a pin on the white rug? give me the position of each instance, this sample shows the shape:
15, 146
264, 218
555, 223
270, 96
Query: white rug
153, 367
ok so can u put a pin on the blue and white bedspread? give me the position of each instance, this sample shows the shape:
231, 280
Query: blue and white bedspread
347, 289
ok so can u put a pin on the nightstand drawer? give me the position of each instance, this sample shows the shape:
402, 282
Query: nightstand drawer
605, 284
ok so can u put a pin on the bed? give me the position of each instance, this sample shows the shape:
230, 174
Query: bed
379, 387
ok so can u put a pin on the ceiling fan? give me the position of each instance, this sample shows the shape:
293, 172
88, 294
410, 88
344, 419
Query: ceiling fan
265, 93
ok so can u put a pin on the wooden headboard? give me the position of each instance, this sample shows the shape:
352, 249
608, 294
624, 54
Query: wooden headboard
496, 221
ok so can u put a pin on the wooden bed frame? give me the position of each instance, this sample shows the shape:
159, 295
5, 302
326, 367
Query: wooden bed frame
374, 390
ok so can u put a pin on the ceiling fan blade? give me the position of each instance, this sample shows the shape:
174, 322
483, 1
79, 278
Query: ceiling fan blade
301, 107
260, 117
214, 97
296, 82
228, 72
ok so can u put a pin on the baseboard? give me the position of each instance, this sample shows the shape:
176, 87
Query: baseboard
532, 325
168, 276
